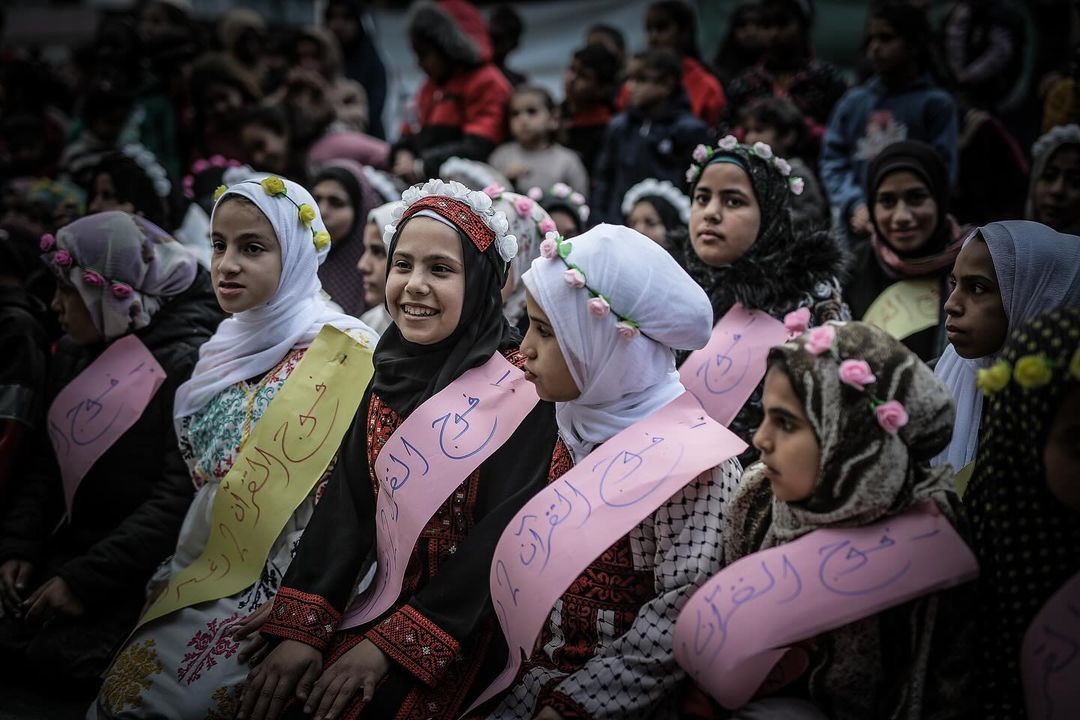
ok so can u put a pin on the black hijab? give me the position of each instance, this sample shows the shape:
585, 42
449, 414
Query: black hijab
922, 160
407, 374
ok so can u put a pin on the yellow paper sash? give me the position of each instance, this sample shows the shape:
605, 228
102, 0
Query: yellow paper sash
906, 307
285, 455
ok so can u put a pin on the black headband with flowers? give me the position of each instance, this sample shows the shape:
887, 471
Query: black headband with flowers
705, 155
275, 187
557, 249
855, 372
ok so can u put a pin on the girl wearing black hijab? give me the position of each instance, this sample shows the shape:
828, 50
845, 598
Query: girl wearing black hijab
439, 643
914, 240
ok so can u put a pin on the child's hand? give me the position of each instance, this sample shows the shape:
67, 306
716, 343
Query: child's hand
291, 666
516, 171
14, 575
547, 714
860, 220
253, 652
361, 668
52, 598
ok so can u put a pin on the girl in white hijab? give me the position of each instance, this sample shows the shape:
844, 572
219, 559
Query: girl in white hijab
1006, 274
605, 353
268, 241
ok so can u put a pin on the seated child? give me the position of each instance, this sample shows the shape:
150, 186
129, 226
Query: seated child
841, 448
533, 157
659, 211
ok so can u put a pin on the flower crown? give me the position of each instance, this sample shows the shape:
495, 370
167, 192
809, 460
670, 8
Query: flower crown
202, 165
563, 191
891, 414
1030, 372
658, 188
275, 187
525, 207
148, 162
63, 261
557, 249
470, 210
703, 154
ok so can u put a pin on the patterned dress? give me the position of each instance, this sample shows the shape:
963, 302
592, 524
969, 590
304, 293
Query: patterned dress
606, 651
184, 665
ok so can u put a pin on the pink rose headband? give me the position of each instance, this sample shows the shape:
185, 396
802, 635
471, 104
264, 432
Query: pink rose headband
557, 249
891, 414
62, 261
704, 154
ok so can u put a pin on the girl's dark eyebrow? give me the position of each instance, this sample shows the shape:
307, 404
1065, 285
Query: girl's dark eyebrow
540, 321
784, 413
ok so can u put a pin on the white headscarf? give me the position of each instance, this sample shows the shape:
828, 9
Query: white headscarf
1038, 270
252, 342
622, 380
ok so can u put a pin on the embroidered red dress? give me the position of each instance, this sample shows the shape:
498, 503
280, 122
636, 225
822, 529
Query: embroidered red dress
439, 633
606, 651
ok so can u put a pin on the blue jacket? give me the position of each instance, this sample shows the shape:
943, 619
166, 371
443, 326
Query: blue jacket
867, 119
637, 147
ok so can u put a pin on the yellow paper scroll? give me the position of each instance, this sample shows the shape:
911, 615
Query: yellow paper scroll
286, 454
906, 307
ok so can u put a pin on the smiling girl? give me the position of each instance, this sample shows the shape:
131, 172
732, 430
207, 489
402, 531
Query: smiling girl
743, 249
851, 417
913, 244
1005, 274
449, 255
266, 253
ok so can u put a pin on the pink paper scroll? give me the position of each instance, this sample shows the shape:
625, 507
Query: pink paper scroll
724, 373
571, 522
739, 625
439, 445
1050, 657
100, 405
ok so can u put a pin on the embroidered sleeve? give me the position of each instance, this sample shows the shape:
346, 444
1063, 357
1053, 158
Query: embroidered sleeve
415, 643
303, 617
637, 672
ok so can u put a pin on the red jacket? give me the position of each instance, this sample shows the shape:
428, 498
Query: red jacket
473, 103
707, 99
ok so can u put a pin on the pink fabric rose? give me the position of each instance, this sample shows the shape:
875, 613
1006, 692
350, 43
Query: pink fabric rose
821, 339
797, 321
599, 307
891, 416
92, 277
797, 185
692, 173
535, 193
763, 151
523, 206
728, 142
217, 160
783, 166
700, 154
199, 166
62, 258
547, 225
577, 198
48, 242
121, 291
494, 190
561, 190
856, 373
549, 249
626, 330
574, 278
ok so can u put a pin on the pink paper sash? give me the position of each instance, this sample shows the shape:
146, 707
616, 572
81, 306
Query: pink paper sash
100, 405
723, 374
1050, 657
428, 457
739, 624
571, 522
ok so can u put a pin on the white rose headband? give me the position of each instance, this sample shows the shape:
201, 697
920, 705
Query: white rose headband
657, 188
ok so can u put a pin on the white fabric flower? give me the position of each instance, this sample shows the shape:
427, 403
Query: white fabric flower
762, 150
508, 247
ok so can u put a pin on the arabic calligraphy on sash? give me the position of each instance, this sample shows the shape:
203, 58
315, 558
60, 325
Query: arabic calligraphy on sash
428, 457
738, 625
723, 374
906, 307
286, 454
563, 528
102, 403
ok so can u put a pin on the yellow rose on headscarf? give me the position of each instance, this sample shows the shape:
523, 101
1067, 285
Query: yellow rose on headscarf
273, 185
1033, 371
1074, 365
307, 214
994, 378
322, 239
219, 191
